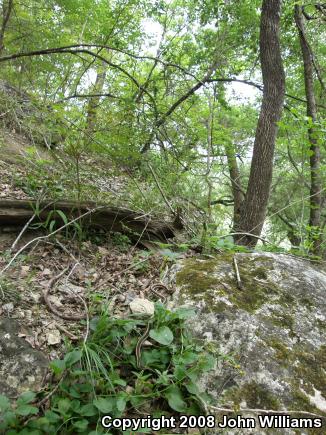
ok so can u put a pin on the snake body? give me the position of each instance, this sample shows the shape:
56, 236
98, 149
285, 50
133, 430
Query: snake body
140, 343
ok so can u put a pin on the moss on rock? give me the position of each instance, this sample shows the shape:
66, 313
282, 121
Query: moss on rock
198, 276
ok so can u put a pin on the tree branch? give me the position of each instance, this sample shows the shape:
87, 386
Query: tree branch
75, 51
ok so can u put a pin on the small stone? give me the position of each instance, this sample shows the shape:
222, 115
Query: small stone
103, 251
142, 306
71, 289
121, 298
8, 308
54, 300
35, 297
24, 271
53, 337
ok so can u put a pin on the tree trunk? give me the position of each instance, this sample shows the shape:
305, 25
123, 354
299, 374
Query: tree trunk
254, 208
315, 233
6, 11
16, 213
237, 191
93, 103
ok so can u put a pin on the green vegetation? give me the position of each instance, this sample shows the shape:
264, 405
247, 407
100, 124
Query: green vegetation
101, 377
162, 98
166, 109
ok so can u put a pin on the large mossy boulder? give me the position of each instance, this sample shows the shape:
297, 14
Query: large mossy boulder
273, 329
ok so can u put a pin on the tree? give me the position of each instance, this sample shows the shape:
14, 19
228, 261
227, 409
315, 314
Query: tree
254, 207
6, 12
315, 231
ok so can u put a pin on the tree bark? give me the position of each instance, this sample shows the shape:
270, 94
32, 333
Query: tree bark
315, 233
93, 103
254, 208
6, 12
237, 191
16, 213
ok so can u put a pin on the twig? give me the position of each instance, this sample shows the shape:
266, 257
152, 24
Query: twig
47, 236
63, 329
66, 250
237, 273
139, 238
27, 224
161, 190
47, 397
22, 232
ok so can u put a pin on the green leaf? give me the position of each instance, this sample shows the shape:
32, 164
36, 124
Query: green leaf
64, 406
27, 431
192, 388
162, 335
26, 397
51, 226
120, 382
8, 418
81, 425
63, 216
208, 363
104, 405
121, 404
175, 400
88, 410
52, 416
4, 403
26, 410
180, 372
72, 357
58, 366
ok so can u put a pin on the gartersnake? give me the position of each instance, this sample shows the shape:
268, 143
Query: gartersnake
145, 335
140, 343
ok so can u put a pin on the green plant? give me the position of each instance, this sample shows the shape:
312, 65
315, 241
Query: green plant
140, 262
56, 219
121, 241
102, 377
8, 290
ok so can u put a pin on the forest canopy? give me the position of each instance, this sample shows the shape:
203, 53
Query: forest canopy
206, 113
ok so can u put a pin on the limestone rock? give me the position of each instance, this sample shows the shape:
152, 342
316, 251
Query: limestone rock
273, 329
142, 306
53, 337
21, 367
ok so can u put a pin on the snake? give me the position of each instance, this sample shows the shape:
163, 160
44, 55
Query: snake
140, 343
145, 335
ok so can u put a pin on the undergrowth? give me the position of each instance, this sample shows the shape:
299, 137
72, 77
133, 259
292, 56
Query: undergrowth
101, 377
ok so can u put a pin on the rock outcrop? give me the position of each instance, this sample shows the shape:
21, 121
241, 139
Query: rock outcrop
22, 368
272, 330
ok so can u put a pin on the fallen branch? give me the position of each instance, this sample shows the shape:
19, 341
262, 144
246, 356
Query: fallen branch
92, 215
37, 239
237, 274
